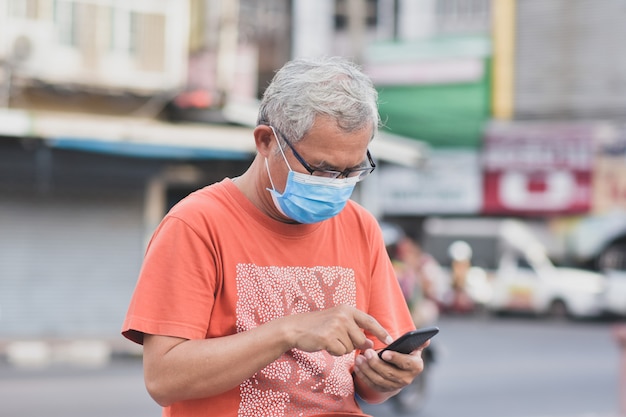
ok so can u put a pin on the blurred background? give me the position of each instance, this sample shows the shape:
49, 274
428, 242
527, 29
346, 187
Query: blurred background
504, 133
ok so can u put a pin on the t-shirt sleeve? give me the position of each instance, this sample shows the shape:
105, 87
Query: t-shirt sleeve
386, 303
174, 294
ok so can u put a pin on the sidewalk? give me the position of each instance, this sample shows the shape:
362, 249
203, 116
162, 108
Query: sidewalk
91, 352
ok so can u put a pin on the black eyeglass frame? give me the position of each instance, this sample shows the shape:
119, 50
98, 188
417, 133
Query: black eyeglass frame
363, 172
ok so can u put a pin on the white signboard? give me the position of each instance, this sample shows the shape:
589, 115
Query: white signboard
441, 71
450, 183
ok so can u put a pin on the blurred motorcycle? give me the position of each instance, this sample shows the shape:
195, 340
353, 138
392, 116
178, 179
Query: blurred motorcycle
413, 397
417, 273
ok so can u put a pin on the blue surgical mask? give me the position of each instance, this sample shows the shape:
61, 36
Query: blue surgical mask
310, 199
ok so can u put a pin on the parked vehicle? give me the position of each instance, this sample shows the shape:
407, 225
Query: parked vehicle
511, 271
527, 281
413, 397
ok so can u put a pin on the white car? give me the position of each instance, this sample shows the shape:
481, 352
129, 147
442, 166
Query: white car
527, 281
556, 292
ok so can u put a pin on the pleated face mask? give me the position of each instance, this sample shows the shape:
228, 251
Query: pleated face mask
311, 199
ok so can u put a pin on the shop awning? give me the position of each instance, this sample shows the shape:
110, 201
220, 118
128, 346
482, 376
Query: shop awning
148, 138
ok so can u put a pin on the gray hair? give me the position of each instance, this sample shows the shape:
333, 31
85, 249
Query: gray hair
306, 88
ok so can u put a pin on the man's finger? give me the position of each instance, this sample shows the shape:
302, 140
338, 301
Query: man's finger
369, 323
359, 340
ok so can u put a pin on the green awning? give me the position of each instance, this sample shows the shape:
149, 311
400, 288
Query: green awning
440, 115
436, 90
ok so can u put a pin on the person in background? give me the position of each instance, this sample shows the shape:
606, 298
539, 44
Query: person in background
268, 294
419, 274
422, 285
458, 300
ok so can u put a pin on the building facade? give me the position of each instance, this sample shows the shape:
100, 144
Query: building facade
110, 112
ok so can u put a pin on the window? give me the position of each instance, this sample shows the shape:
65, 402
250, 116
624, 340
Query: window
342, 13
148, 40
522, 263
26, 9
463, 16
65, 18
119, 32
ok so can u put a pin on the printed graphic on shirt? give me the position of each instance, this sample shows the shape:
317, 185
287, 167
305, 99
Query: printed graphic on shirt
298, 383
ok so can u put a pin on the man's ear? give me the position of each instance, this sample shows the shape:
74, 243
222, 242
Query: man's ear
264, 140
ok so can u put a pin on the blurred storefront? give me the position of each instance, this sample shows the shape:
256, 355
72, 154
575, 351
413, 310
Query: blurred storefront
91, 161
111, 112
538, 168
554, 152
79, 198
524, 116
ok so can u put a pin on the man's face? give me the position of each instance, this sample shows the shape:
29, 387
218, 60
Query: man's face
325, 147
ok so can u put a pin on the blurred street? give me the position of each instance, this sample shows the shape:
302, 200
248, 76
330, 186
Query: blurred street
503, 133
487, 367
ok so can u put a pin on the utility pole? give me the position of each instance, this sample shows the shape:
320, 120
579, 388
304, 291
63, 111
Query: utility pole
356, 28
19, 52
227, 47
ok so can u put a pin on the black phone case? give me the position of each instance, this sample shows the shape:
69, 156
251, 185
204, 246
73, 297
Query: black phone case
410, 341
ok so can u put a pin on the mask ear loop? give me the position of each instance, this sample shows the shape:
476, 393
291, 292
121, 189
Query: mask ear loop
267, 168
281, 150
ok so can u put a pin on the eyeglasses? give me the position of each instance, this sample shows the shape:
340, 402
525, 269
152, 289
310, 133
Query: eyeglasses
329, 173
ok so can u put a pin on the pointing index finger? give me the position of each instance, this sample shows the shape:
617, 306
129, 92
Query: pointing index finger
370, 324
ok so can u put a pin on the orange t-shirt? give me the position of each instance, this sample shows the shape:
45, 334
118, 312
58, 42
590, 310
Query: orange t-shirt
217, 265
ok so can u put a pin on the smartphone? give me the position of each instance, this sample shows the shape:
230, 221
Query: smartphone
410, 341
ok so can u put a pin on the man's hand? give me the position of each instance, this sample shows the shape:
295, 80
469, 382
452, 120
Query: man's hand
379, 379
338, 330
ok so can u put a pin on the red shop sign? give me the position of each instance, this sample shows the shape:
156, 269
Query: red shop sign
537, 168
